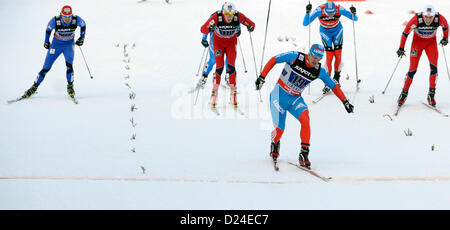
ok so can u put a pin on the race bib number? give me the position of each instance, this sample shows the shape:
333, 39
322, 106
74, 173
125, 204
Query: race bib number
297, 81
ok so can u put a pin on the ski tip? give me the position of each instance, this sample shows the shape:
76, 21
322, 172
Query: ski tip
74, 100
14, 100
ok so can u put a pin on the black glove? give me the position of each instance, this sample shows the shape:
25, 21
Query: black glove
250, 28
444, 41
308, 8
205, 43
353, 10
401, 52
238, 32
212, 29
259, 82
47, 45
80, 41
348, 106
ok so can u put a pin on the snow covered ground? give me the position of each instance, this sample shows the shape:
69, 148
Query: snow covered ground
57, 155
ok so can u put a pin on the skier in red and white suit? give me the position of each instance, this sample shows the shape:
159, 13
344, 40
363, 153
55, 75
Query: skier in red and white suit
225, 24
425, 25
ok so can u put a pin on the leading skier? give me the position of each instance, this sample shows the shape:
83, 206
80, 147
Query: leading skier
299, 71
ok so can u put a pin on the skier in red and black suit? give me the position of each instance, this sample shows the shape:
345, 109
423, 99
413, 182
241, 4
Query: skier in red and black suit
224, 23
425, 25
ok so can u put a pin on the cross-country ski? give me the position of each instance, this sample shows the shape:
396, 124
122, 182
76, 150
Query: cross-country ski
310, 171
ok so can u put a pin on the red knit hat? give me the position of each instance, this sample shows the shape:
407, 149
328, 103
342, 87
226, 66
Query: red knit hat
66, 11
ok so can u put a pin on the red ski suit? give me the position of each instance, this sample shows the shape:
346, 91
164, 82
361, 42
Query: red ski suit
224, 41
424, 39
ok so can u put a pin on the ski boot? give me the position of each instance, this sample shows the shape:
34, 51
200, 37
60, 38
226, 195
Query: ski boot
202, 81
303, 158
30, 91
275, 150
227, 79
337, 76
430, 97
402, 98
213, 99
275, 153
70, 90
233, 97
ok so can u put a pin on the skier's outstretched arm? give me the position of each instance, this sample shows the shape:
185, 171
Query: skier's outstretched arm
336, 89
288, 57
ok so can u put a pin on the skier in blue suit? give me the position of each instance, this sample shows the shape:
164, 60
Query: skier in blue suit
331, 31
63, 43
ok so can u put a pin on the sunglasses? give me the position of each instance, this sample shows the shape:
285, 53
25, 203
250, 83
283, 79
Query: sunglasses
228, 14
66, 16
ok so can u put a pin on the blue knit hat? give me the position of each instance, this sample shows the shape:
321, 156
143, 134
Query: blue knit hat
317, 50
330, 8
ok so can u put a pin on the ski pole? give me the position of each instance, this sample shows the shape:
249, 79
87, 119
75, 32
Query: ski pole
356, 60
85, 62
392, 75
201, 61
243, 60
446, 64
254, 60
309, 42
309, 29
265, 36
195, 102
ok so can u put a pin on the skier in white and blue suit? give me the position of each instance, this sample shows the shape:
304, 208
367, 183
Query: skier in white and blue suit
63, 42
299, 71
